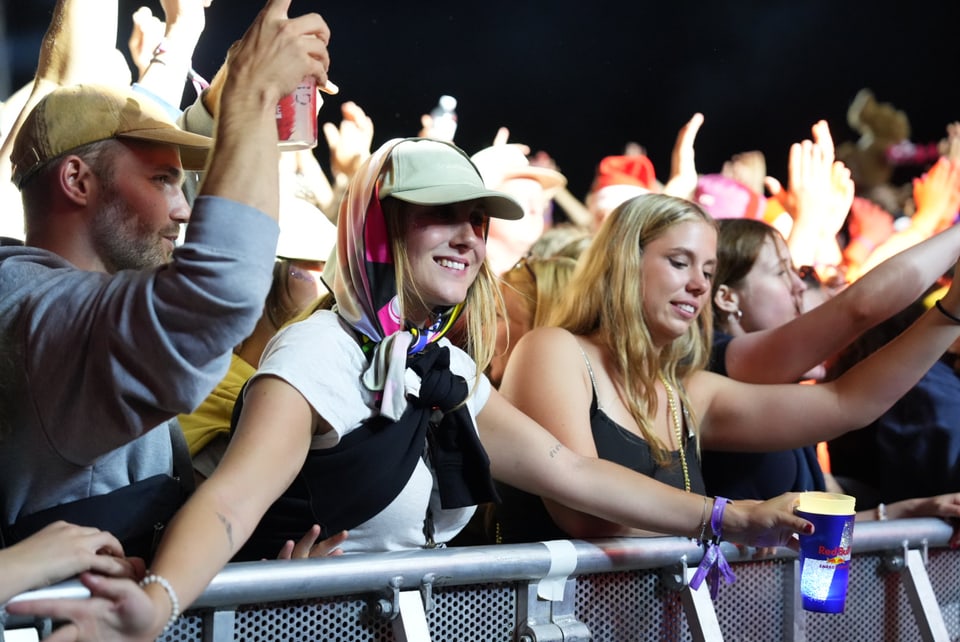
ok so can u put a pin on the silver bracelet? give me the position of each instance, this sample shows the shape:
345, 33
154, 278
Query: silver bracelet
153, 578
703, 519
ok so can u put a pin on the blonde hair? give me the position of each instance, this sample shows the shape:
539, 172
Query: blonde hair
605, 297
540, 282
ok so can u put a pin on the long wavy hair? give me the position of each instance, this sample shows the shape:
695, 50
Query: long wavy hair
605, 298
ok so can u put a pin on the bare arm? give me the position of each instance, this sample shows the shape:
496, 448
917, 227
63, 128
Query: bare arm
937, 195
745, 417
260, 463
820, 333
525, 455
77, 47
275, 54
166, 72
683, 168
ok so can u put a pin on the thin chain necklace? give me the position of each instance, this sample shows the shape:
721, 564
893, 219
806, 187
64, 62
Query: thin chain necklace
678, 429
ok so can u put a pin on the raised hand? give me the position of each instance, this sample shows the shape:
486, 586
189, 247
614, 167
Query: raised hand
747, 168
818, 196
683, 168
145, 35
350, 143
277, 52
937, 196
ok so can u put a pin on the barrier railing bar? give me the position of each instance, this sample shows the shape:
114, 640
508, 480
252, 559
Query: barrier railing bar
700, 611
274, 581
923, 601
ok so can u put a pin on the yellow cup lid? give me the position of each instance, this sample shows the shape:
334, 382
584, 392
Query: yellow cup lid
827, 503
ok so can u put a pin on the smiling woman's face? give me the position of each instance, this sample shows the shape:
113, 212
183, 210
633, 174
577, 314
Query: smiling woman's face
677, 269
445, 248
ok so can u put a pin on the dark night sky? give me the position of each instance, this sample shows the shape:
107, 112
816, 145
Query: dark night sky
580, 79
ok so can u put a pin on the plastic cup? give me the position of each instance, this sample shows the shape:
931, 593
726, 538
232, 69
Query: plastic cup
297, 117
825, 555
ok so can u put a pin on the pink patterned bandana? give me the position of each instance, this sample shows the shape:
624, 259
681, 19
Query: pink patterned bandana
363, 282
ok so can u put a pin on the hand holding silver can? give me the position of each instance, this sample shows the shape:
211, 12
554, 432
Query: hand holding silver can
297, 117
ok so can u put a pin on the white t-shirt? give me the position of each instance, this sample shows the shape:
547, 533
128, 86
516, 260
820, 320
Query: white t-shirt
321, 359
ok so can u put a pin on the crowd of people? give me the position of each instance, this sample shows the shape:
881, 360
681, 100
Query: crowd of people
214, 351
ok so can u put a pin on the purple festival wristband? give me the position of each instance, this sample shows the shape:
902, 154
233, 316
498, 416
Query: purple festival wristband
714, 564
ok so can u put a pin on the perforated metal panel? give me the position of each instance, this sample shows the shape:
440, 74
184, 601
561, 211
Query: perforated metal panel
485, 612
482, 612
623, 606
754, 606
336, 620
189, 628
944, 570
630, 606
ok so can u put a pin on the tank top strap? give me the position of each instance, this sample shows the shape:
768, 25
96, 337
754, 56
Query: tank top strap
595, 404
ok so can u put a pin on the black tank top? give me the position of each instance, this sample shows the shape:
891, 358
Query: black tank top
522, 517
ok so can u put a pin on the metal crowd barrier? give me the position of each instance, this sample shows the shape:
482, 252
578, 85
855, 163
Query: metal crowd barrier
903, 586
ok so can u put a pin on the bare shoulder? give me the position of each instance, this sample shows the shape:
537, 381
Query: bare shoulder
548, 339
545, 359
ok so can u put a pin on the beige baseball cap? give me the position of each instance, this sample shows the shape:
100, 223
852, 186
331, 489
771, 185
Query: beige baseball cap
431, 172
71, 117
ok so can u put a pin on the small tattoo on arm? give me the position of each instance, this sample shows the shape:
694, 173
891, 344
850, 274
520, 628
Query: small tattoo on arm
228, 527
555, 450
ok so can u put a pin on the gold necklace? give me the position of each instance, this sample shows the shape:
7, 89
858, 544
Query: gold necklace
678, 429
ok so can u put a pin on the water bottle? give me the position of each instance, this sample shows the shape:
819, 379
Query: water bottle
444, 117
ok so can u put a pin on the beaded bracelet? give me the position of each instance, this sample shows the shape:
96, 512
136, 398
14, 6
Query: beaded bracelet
153, 578
714, 564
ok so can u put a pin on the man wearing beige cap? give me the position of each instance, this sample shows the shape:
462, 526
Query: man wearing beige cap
106, 330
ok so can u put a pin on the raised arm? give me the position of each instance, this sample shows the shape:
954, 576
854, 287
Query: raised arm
738, 416
937, 197
820, 333
170, 56
683, 166
274, 55
818, 196
77, 47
